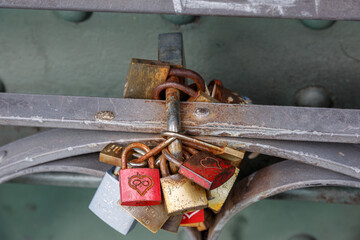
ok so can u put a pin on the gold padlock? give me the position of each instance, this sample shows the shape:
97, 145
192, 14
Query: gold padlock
181, 195
143, 76
152, 217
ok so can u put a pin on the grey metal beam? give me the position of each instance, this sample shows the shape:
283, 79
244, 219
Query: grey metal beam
312, 9
149, 116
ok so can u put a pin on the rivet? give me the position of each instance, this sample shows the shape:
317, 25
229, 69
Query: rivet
104, 116
202, 112
317, 24
73, 16
313, 96
179, 19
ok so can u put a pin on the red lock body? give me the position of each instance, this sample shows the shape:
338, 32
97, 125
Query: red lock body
139, 186
204, 168
207, 170
193, 217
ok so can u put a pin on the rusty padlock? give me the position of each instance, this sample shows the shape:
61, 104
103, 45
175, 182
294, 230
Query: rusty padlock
139, 186
143, 76
224, 95
235, 156
198, 96
180, 194
204, 168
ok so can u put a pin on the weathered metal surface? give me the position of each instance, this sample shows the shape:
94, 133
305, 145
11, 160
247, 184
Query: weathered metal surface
277, 178
344, 195
187, 73
84, 164
143, 76
170, 49
253, 121
315, 9
61, 143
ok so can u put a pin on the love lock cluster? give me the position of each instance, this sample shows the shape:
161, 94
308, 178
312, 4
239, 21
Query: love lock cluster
151, 185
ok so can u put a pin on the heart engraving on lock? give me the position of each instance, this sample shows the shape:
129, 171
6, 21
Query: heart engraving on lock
141, 183
190, 214
210, 162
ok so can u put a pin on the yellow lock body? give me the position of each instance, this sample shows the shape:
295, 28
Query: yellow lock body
220, 194
111, 154
181, 195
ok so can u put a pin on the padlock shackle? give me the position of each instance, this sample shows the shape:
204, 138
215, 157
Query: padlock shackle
187, 73
163, 166
129, 149
170, 157
191, 150
196, 143
155, 150
177, 86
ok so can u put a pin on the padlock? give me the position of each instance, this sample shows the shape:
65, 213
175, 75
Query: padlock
201, 219
152, 217
224, 95
139, 186
227, 153
143, 76
111, 154
204, 168
220, 194
104, 204
180, 194
198, 96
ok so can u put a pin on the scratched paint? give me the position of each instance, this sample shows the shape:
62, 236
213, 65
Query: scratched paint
250, 6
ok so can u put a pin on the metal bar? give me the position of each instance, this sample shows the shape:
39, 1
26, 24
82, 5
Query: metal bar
139, 115
313, 9
272, 180
171, 51
344, 195
61, 143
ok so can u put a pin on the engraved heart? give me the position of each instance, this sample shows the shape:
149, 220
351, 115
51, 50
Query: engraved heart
210, 162
141, 183
190, 214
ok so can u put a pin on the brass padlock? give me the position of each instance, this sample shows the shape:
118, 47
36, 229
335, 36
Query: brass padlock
152, 217
181, 195
235, 156
143, 76
111, 154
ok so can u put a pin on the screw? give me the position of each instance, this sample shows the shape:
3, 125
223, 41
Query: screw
313, 97
317, 24
73, 16
179, 19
